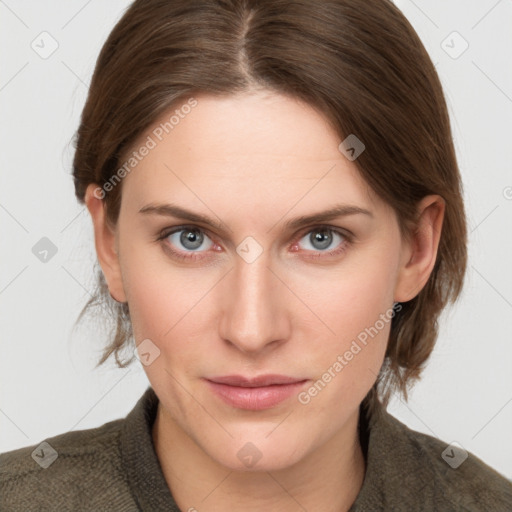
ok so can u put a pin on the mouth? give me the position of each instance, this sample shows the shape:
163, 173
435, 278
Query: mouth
256, 393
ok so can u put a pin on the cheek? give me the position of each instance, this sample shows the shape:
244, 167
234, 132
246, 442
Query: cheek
355, 304
153, 301
162, 310
352, 296
168, 305
159, 292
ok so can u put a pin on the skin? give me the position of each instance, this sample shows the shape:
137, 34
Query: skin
254, 161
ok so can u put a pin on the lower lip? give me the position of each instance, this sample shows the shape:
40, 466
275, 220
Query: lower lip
255, 399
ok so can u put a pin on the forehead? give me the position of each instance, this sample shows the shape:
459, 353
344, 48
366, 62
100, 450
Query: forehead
253, 146
247, 124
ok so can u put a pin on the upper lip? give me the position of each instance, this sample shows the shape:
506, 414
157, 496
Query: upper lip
255, 382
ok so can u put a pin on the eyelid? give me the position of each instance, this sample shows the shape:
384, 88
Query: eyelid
164, 233
341, 231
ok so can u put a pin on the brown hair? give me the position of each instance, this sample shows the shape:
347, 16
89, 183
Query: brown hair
361, 64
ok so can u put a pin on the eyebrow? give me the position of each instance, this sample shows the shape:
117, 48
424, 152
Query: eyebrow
171, 210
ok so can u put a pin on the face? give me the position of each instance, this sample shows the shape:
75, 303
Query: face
253, 291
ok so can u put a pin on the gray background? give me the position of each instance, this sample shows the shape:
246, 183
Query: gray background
47, 376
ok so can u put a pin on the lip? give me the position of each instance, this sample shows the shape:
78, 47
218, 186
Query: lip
255, 393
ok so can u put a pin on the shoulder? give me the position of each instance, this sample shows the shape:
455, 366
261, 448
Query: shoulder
460, 475
444, 474
67, 471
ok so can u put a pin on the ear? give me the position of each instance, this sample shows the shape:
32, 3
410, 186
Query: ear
420, 252
106, 242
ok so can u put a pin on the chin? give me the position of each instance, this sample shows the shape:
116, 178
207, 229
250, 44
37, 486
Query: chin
258, 455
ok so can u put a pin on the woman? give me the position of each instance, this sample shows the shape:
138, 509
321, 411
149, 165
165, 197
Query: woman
278, 217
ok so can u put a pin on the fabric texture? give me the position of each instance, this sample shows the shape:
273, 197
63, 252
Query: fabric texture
115, 468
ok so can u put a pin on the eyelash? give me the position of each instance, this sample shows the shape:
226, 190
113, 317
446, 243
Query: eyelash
194, 255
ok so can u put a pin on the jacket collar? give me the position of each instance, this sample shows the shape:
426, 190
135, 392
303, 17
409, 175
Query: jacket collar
139, 459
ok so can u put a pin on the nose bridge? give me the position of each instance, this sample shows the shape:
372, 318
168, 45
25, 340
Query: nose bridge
254, 315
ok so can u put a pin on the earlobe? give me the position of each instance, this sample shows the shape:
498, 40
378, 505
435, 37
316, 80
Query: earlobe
419, 253
105, 243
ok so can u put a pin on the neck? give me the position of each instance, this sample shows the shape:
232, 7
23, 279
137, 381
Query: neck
327, 479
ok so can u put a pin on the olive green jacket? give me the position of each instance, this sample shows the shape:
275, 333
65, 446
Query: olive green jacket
115, 468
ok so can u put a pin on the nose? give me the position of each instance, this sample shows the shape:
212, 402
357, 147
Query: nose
254, 314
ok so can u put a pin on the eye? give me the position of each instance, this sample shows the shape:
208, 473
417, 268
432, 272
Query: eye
324, 240
187, 240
